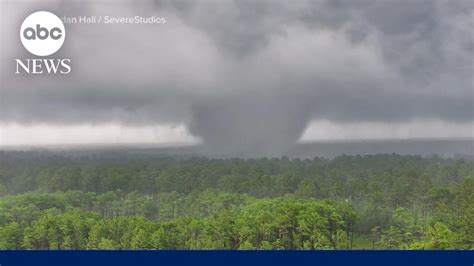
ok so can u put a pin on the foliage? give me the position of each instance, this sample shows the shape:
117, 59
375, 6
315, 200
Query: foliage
109, 201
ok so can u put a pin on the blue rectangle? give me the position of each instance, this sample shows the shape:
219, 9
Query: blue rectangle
16, 258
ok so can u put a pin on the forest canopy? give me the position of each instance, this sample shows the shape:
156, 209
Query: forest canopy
62, 200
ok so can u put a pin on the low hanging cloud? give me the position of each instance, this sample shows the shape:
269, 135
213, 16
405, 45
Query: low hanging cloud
248, 76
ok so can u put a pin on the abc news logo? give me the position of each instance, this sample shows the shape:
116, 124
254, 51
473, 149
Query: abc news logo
42, 34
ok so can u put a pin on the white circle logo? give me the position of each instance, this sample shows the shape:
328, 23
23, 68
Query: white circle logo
42, 33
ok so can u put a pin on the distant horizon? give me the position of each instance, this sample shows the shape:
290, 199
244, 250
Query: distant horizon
317, 131
447, 148
189, 144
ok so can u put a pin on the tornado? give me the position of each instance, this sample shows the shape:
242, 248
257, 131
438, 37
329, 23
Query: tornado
247, 127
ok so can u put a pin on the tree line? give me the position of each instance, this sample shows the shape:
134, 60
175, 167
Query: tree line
51, 200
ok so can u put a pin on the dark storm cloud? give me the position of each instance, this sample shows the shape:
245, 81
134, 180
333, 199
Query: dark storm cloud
249, 75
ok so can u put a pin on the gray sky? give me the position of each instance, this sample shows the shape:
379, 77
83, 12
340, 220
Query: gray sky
242, 75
